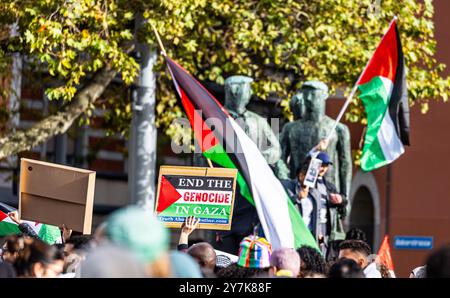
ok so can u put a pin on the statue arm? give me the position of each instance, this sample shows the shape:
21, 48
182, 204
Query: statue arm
284, 142
345, 159
272, 151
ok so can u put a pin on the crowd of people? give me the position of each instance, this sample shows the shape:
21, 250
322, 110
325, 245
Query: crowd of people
133, 243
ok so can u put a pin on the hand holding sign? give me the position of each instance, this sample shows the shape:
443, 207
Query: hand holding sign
323, 144
189, 226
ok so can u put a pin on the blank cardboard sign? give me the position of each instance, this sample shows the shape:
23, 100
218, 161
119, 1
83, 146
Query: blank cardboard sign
55, 194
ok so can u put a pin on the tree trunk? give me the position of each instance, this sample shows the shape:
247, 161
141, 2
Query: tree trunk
60, 122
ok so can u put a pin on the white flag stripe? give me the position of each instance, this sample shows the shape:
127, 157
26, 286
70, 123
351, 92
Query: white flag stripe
269, 195
387, 136
389, 141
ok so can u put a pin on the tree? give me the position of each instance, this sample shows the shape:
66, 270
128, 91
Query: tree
83, 44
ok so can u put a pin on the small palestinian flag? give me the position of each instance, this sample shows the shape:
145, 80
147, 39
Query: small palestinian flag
382, 87
47, 233
228, 146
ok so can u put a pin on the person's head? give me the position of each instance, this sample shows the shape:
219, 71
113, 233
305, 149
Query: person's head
418, 272
356, 250
38, 259
311, 261
314, 95
438, 263
204, 254
236, 271
184, 266
326, 162
111, 261
139, 231
78, 242
254, 252
238, 92
11, 247
345, 268
285, 262
356, 234
100, 234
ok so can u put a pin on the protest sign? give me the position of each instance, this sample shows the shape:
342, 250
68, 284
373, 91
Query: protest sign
206, 193
55, 194
313, 173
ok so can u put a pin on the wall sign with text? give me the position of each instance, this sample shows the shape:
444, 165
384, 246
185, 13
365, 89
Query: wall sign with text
206, 193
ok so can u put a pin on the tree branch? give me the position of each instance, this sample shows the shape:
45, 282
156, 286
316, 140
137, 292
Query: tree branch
60, 122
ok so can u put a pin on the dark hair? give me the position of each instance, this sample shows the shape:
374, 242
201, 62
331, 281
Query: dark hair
12, 244
356, 246
356, 234
345, 268
236, 271
59, 255
80, 241
311, 261
438, 263
34, 251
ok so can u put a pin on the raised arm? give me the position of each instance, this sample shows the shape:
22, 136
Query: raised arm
189, 226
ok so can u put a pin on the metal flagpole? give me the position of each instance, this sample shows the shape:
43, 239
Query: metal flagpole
163, 52
355, 87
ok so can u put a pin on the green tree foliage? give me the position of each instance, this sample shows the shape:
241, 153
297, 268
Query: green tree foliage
279, 43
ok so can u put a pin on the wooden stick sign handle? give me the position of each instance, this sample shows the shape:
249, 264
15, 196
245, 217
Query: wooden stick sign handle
163, 50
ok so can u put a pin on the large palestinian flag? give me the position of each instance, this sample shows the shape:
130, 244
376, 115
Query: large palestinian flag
47, 233
382, 87
228, 146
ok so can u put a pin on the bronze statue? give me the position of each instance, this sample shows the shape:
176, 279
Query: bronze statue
311, 125
237, 96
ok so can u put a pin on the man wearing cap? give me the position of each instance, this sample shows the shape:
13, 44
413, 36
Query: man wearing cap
322, 207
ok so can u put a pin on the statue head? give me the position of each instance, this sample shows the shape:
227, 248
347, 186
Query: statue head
297, 106
314, 95
238, 92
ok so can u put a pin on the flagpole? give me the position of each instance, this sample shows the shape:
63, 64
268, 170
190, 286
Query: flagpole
161, 46
355, 87
163, 52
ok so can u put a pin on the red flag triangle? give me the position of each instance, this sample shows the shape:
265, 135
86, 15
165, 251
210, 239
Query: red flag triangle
384, 254
3, 216
167, 195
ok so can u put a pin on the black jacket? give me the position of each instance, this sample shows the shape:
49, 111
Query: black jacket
336, 212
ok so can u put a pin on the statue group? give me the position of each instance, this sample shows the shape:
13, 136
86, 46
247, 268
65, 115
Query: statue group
298, 137
288, 153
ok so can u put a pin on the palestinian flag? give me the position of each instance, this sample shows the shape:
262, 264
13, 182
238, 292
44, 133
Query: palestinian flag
382, 87
49, 234
228, 146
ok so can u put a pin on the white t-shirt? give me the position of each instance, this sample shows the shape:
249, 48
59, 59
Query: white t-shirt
371, 271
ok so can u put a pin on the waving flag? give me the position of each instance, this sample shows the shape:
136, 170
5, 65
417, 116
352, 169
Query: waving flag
47, 233
230, 147
382, 87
